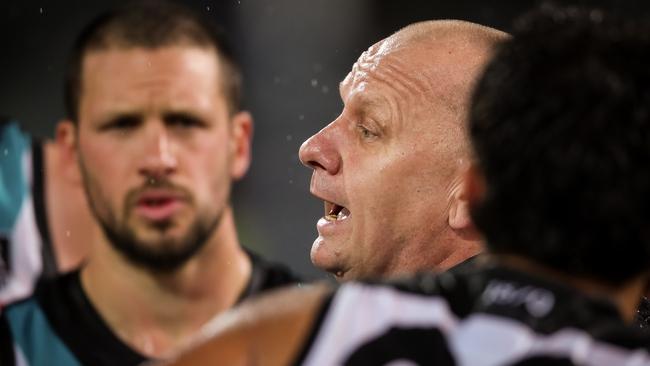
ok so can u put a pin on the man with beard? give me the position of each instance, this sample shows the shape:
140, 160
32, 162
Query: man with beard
560, 127
155, 124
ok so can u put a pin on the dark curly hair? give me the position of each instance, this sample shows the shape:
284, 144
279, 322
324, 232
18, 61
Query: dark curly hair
560, 124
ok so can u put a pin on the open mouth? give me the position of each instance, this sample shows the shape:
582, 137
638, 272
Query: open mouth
158, 205
334, 212
154, 202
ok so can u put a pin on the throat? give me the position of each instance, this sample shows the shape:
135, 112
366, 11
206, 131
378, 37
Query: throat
155, 314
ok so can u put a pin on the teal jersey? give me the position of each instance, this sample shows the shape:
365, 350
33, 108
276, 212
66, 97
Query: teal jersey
25, 250
60, 326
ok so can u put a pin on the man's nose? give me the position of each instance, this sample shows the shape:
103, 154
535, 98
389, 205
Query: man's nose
159, 158
321, 152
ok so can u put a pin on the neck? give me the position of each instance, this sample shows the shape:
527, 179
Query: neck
157, 313
625, 297
450, 249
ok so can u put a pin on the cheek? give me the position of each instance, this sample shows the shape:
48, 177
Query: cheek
101, 154
108, 169
209, 168
393, 190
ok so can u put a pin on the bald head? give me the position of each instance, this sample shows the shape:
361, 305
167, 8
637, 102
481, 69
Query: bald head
389, 167
439, 60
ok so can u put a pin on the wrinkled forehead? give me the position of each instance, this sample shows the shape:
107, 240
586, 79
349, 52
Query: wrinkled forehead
389, 63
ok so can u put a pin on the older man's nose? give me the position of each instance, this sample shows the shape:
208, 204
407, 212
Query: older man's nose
320, 151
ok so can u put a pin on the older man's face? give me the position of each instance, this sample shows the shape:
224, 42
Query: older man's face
385, 167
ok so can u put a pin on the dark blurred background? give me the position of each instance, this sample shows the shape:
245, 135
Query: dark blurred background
294, 54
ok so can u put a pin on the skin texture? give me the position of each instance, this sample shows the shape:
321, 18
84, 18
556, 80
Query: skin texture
395, 155
155, 121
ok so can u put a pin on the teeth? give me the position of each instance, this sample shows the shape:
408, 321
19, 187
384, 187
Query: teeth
343, 214
331, 217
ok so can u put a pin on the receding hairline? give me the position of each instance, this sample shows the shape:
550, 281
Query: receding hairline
448, 29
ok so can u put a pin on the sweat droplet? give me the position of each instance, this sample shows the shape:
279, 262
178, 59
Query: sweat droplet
67, 233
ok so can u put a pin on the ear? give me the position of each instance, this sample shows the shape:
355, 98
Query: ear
66, 143
470, 188
241, 139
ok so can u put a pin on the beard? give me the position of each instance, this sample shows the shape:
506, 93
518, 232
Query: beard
165, 255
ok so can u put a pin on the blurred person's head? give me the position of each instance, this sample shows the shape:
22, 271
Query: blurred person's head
388, 168
560, 123
153, 105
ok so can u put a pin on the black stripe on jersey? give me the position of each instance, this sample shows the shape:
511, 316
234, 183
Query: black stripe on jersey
315, 328
80, 327
545, 361
6, 344
38, 195
422, 346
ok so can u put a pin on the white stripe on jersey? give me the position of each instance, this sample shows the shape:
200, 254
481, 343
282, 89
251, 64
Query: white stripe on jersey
25, 255
20, 359
25, 245
360, 313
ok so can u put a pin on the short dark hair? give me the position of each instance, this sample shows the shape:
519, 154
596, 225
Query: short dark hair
150, 24
560, 124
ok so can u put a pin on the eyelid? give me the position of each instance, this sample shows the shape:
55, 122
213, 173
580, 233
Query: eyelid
364, 129
120, 122
184, 120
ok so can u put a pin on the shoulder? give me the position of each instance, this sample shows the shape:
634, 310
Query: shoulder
376, 323
29, 332
269, 329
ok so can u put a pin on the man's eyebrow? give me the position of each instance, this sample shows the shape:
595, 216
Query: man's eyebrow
112, 116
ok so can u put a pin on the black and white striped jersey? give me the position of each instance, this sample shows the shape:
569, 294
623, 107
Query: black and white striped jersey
479, 316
